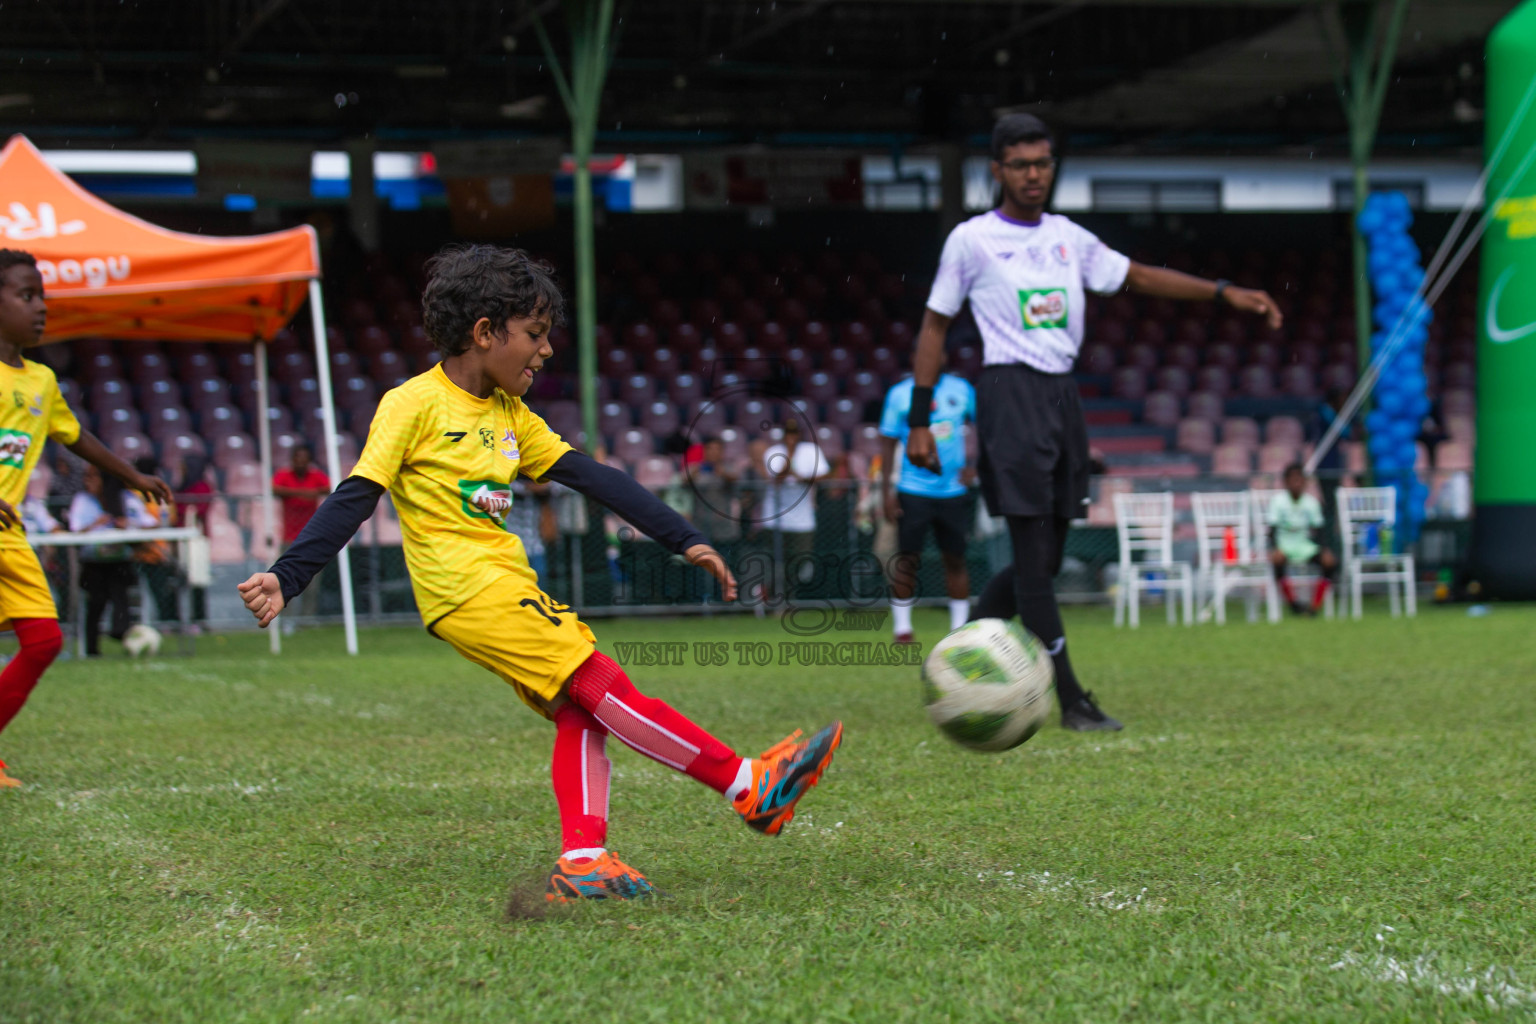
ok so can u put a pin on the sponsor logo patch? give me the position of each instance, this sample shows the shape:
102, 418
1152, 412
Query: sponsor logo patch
485, 499
1043, 307
14, 446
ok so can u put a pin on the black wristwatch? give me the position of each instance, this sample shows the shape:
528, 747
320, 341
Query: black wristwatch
1222, 284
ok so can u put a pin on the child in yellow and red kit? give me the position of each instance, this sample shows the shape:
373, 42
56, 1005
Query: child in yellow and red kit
446, 445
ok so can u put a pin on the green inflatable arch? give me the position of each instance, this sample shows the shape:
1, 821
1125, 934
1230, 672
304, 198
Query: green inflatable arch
1504, 531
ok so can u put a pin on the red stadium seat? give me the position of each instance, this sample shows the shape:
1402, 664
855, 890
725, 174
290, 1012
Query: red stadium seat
1196, 436
663, 363
815, 336
1206, 405
888, 362
820, 387
840, 362
1097, 358
1173, 379
1161, 409
1240, 430
1257, 382
1129, 382
1214, 379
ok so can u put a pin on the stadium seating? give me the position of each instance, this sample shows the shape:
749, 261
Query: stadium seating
1165, 382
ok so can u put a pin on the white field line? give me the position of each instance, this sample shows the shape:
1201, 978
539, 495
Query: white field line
1497, 987
1067, 889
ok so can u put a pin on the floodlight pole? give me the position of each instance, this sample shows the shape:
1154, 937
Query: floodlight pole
582, 92
1362, 85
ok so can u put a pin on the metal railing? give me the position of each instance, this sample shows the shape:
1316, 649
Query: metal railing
588, 558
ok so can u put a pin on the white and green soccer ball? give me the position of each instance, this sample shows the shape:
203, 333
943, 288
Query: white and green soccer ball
988, 684
141, 641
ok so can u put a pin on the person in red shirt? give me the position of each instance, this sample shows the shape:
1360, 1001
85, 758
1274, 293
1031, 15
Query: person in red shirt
301, 486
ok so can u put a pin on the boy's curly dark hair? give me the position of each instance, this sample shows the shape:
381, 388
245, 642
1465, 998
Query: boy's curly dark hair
467, 282
15, 258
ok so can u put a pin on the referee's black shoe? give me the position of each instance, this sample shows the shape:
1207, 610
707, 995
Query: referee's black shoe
1085, 716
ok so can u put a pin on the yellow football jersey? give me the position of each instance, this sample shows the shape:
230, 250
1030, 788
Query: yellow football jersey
448, 459
31, 411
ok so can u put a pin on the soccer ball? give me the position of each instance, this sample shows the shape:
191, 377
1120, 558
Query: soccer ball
988, 684
141, 640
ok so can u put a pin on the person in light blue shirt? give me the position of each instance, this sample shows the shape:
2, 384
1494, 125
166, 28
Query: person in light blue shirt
921, 500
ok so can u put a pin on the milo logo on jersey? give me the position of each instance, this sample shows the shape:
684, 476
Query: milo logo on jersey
1043, 307
485, 499
14, 446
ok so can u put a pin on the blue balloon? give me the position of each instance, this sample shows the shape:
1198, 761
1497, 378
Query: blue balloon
1391, 402
1380, 445
1377, 421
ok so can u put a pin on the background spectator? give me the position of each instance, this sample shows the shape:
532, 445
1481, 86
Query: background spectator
302, 485
792, 468
106, 570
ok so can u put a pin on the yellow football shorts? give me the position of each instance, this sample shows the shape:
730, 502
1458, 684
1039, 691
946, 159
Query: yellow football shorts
523, 635
24, 592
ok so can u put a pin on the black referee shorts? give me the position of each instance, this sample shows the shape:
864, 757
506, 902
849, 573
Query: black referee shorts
1033, 442
949, 518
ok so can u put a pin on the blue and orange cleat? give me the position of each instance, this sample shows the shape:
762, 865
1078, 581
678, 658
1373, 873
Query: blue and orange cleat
603, 878
784, 774
6, 781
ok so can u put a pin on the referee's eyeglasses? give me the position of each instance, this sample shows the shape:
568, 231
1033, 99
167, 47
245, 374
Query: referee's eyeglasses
1043, 165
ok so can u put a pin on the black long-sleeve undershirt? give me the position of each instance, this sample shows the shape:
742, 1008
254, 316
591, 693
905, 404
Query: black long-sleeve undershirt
340, 516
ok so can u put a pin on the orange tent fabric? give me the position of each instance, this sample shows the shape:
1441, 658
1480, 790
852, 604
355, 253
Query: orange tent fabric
109, 273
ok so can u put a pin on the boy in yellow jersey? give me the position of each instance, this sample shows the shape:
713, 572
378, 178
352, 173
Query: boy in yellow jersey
446, 445
31, 412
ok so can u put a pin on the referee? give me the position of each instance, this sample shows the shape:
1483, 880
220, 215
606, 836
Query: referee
1024, 272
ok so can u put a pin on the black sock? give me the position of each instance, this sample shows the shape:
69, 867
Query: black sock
1038, 543
997, 599
1041, 616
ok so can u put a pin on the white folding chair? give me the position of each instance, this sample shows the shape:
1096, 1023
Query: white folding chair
1364, 511
1261, 499
1224, 524
1144, 523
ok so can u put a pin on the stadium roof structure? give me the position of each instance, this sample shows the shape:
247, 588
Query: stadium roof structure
1174, 72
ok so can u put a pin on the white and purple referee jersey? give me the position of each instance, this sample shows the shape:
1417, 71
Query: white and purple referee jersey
1026, 285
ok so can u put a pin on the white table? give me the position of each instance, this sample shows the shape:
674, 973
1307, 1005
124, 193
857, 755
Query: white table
178, 535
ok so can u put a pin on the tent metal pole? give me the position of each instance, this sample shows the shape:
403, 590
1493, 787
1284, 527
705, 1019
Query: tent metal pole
332, 450
264, 440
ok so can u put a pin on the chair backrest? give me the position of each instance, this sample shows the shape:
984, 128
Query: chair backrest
1217, 513
1144, 523
1361, 509
1259, 501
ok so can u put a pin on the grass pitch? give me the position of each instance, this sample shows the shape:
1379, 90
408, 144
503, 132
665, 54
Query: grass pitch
1306, 822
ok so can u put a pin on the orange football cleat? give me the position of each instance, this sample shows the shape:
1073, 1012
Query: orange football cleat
603, 878
6, 782
784, 774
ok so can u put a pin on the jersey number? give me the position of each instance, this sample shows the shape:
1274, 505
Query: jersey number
549, 609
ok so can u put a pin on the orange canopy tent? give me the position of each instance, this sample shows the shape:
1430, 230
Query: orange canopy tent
108, 273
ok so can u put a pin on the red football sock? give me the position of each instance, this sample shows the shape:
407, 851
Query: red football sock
41, 642
651, 726
1320, 592
579, 770
1286, 590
